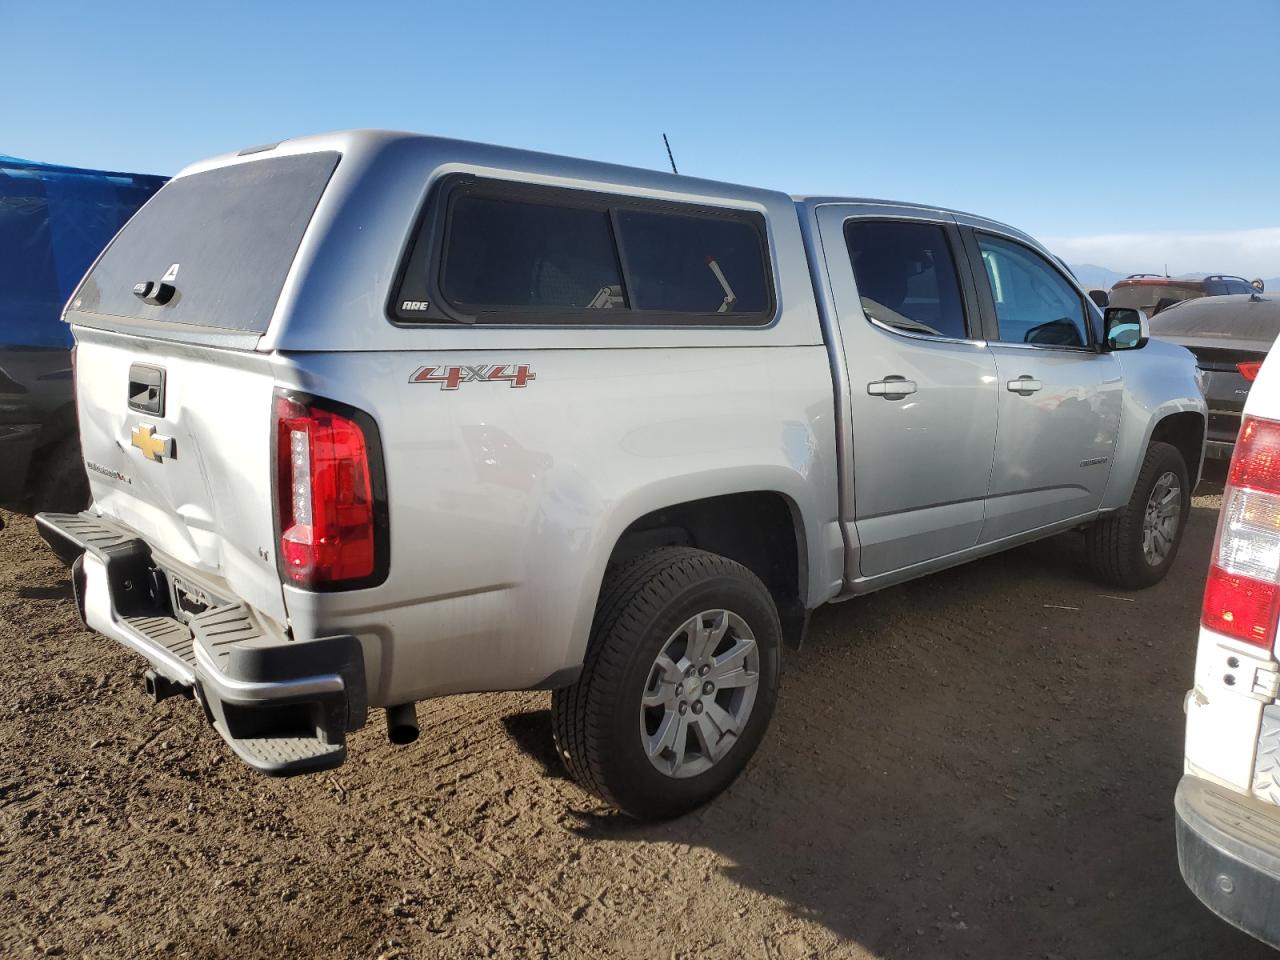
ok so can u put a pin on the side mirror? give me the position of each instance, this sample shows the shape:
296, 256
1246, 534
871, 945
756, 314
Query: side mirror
1099, 297
1126, 329
1259, 285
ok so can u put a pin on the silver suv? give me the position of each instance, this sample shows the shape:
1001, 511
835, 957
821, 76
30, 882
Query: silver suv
373, 417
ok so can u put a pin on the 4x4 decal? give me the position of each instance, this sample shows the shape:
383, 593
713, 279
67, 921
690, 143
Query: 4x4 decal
450, 378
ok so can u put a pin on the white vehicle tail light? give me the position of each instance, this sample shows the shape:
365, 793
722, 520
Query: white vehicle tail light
1242, 595
331, 515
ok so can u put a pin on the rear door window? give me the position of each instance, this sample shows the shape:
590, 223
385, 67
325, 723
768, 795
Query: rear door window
224, 238
906, 276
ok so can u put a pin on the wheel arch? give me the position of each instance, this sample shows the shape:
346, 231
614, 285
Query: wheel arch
760, 529
1179, 422
1185, 431
762, 525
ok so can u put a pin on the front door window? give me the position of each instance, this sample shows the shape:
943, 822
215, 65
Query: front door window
1034, 303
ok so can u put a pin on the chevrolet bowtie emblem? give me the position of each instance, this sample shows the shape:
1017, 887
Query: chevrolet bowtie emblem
153, 447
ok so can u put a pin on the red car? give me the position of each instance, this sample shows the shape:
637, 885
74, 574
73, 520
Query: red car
1152, 293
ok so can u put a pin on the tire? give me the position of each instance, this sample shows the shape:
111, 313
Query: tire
650, 605
1115, 544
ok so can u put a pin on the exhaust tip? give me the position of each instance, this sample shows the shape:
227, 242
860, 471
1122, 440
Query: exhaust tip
402, 724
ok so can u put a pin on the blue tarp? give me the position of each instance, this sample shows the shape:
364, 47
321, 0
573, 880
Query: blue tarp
54, 221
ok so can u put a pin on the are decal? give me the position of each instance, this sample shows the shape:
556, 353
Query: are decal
451, 378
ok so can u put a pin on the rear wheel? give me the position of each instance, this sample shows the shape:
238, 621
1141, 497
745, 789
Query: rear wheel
1136, 546
679, 683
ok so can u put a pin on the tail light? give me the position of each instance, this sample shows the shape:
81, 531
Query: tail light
330, 501
1242, 596
1249, 369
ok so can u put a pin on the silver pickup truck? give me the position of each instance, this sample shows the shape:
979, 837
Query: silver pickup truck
374, 417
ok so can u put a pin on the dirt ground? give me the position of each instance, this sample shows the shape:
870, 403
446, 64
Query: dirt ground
979, 764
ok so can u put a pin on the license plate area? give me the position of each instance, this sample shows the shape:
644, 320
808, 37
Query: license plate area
189, 600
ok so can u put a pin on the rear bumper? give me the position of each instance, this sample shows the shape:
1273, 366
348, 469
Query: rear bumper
1229, 854
283, 706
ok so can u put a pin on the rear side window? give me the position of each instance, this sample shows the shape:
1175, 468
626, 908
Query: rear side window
906, 276
681, 264
225, 238
506, 253
493, 252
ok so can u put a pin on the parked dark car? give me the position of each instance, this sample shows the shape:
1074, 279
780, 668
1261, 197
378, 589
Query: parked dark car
1152, 292
54, 221
1230, 337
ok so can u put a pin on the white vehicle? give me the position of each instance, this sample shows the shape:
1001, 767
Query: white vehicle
1228, 801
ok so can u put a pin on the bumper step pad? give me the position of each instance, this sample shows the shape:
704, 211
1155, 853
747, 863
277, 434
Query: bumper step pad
219, 631
70, 534
283, 706
168, 633
285, 756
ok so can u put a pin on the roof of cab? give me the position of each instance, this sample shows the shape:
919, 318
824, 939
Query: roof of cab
972, 218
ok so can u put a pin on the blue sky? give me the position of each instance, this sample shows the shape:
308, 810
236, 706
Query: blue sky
1080, 122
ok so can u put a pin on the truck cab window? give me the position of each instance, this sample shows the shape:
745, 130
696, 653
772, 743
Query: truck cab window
906, 276
1034, 304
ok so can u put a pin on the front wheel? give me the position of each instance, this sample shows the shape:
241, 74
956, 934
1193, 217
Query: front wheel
680, 680
1136, 546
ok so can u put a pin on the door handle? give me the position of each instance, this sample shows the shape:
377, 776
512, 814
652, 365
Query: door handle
1024, 385
891, 388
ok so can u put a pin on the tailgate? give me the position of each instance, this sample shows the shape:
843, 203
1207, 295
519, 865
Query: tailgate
174, 402
177, 446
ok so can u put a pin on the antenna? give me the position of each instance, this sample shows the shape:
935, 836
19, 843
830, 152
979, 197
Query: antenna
669, 156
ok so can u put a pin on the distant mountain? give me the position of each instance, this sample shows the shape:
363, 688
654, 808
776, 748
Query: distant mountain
1091, 275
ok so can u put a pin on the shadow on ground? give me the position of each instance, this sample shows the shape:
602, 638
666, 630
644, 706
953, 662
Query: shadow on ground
981, 763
